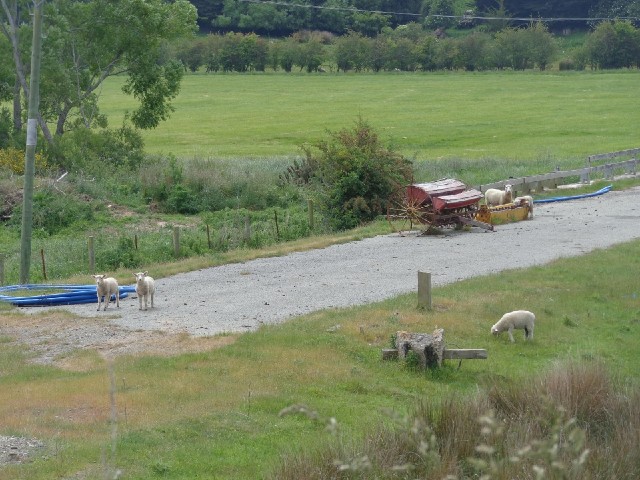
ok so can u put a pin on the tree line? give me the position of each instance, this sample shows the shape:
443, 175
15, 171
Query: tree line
369, 17
410, 48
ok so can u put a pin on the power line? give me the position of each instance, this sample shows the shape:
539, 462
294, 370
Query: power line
457, 17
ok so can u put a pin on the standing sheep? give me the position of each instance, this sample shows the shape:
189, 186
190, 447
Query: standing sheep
494, 197
106, 286
519, 319
527, 201
145, 288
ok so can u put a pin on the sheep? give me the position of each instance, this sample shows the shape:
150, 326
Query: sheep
106, 286
494, 197
525, 200
145, 288
519, 319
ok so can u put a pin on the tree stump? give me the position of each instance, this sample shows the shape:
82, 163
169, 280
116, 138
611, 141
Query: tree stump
428, 347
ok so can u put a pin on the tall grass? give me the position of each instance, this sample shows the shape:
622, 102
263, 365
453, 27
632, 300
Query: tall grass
571, 422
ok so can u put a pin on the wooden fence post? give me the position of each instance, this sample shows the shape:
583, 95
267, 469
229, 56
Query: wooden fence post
92, 256
208, 237
44, 267
424, 290
311, 219
247, 229
275, 216
1, 268
176, 241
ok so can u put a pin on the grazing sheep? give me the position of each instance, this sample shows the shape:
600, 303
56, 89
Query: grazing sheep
519, 319
494, 197
106, 286
145, 288
525, 200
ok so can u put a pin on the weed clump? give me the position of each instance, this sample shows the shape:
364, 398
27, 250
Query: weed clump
569, 423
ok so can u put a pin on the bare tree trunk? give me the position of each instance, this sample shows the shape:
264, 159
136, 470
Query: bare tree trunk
17, 107
10, 31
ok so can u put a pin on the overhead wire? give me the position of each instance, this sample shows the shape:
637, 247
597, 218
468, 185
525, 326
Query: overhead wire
455, 17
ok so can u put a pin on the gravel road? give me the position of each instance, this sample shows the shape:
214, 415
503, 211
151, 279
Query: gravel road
241, 297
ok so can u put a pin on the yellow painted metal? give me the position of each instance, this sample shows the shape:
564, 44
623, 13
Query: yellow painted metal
503, 213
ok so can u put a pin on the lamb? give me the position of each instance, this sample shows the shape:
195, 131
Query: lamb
525, 200
494, 197
519, 319
106, 286
145, 288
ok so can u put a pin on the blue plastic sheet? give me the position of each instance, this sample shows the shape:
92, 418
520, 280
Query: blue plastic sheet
70, 295
574, 197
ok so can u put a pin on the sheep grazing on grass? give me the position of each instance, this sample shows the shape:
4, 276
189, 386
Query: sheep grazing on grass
525, 200
145, 288
519, 319
105, 287
494, 197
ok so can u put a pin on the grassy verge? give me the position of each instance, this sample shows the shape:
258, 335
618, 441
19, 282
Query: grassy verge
216, 414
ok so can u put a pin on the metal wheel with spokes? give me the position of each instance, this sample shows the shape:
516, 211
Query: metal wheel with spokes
403, 215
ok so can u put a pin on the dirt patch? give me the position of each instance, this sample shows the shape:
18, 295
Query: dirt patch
74, 343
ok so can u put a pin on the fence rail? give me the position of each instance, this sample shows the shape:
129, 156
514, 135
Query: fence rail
553, 179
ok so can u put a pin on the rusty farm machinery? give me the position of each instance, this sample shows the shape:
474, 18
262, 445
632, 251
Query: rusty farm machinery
446, 203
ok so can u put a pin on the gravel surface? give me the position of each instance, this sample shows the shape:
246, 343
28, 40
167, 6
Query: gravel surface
241, 297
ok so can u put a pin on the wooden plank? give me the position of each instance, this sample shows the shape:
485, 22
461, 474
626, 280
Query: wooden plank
621, 153
464, 353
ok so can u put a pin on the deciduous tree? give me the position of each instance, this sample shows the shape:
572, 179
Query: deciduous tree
90, 41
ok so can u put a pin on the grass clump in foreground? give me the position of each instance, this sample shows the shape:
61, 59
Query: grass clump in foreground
568, 423
216, 414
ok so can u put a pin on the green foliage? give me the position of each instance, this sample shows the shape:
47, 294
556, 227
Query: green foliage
357, 174
13, 160
54, 211
80, 54
352, 52
614, 45
122, 255
95, 151
438, 13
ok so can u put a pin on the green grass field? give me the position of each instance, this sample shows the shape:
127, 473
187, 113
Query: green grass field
503, 115
216, 414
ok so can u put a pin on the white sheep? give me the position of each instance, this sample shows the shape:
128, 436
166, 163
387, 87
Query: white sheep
519, 319
525, 200
145, 288
105, 287
494, 197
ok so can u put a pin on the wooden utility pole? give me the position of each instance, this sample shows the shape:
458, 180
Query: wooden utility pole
30, 151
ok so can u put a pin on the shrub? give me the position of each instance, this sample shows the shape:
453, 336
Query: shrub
356, 174
123, 255
14, 160
53, 212
92, 151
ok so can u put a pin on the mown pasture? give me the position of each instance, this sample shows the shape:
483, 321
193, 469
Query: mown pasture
435, 116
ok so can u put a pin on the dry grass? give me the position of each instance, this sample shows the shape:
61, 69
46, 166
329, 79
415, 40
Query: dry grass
570, 423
